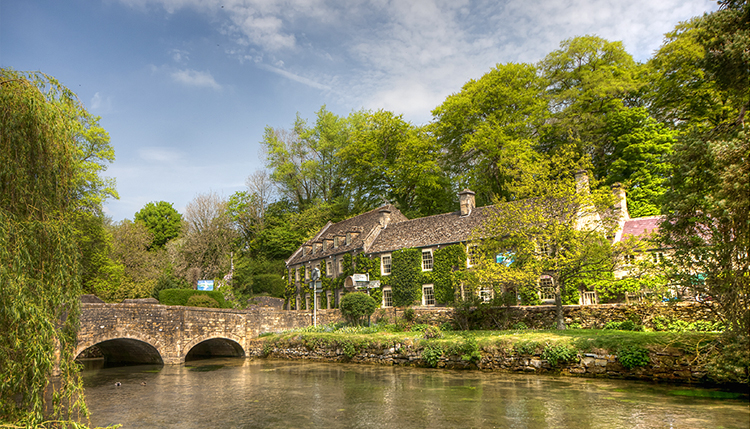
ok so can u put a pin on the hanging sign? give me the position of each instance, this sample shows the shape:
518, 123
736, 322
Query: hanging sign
205, 285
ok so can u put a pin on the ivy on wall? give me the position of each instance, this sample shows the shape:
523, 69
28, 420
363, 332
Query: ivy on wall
406, 277
448, 271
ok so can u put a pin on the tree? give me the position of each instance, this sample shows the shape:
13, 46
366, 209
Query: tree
490, 130
162, 220
589, 77
205, 249
357, 306
39, 267
141, 266
562, 233
640, 147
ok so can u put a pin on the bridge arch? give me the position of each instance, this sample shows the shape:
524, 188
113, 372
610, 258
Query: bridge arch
213, 346
125, 351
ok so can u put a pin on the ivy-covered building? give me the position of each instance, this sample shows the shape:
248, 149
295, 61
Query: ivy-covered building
402, 261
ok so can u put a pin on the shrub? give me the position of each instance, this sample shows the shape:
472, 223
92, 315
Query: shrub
555, 354
660, 323
271, 284
431, 355
520, 326
446, 327
409, 314
357, 306
202, 301
633, 356
181, 296
419, 327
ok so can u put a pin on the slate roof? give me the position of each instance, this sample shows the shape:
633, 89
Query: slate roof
365, 225
641, 226
442, 229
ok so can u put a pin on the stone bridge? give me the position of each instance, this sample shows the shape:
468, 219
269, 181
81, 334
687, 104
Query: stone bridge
150, 333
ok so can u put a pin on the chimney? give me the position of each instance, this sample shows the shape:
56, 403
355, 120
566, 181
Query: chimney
385, 217
582, 182
621, 202
466, 201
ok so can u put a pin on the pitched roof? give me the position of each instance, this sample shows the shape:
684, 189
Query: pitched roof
365, 226
641, 226
447, 228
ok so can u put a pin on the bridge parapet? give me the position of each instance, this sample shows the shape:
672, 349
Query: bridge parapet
174, 330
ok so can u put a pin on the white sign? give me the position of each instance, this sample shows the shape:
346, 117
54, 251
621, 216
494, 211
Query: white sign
360, 278
205, 285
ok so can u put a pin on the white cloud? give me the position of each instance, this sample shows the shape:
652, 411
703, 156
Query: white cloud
100, 104
195, 78
294, 77
180, 56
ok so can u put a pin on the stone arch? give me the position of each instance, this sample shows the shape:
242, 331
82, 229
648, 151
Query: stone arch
125, 350
226, 345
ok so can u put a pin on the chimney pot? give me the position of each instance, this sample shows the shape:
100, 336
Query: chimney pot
466, 201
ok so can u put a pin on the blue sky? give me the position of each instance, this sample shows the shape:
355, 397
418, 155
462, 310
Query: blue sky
185, 88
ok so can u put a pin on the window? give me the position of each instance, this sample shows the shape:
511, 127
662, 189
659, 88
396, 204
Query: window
296, 274
472, 253
348, 238
427, 260
335, 242
387, 297
485, 294
329, 269
428, 295
341, 266
325, 245
629, 259
385, 265
307, 273
546, 288
658, 257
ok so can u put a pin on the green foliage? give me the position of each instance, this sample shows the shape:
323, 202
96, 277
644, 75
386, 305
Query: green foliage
357, 307
431, 333
431, 354
559, 354
633, 356
527, 348
169, 281
627, 325
202, 301
181, 296
447, 272
270, 284
731, 363
519, 326
40, 185
409, 315
162, 220
406, 277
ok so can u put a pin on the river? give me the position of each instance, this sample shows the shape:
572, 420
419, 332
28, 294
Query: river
261, 393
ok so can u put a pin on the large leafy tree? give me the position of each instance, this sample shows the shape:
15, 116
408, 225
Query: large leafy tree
589, 78
39, 269
490, 129
162, 220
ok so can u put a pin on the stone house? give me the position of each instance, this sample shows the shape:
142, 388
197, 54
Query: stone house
379, 233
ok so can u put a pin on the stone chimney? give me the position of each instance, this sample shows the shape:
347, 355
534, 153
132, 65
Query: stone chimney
466, 201
621, 202
385, 217
582, 182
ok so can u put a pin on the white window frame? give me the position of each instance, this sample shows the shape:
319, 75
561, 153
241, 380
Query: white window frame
335, 241
296, 274
546, 292
340, 266
657, 257
425, 300
329, 269
486, 294
470, 262
348, 238
629, 260
383, 265
430, 261
387, 293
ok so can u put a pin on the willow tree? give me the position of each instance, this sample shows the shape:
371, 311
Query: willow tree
39, 270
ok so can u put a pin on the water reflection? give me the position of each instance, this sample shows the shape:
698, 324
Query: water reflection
240, 393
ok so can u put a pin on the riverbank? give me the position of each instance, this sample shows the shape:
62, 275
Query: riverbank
696, 358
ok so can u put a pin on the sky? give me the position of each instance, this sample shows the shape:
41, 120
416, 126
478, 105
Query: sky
186, 88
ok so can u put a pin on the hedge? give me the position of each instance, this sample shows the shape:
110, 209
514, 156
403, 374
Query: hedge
181, 296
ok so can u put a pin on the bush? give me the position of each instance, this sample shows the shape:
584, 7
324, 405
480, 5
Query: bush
181, 296
271, 284
202, 301
356, 307
633, 356
555, 354
431, 355
409, 314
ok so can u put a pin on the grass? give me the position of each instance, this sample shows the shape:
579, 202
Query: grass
584, 340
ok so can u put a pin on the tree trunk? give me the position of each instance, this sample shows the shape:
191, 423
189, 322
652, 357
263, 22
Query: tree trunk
559, 317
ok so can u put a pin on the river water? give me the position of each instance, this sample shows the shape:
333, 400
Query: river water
261, 393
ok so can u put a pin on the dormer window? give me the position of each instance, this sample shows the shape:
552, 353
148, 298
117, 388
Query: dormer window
335, 242
348, 238
325, 246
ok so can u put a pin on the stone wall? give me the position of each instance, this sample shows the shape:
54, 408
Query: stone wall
669, 365
543, 316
